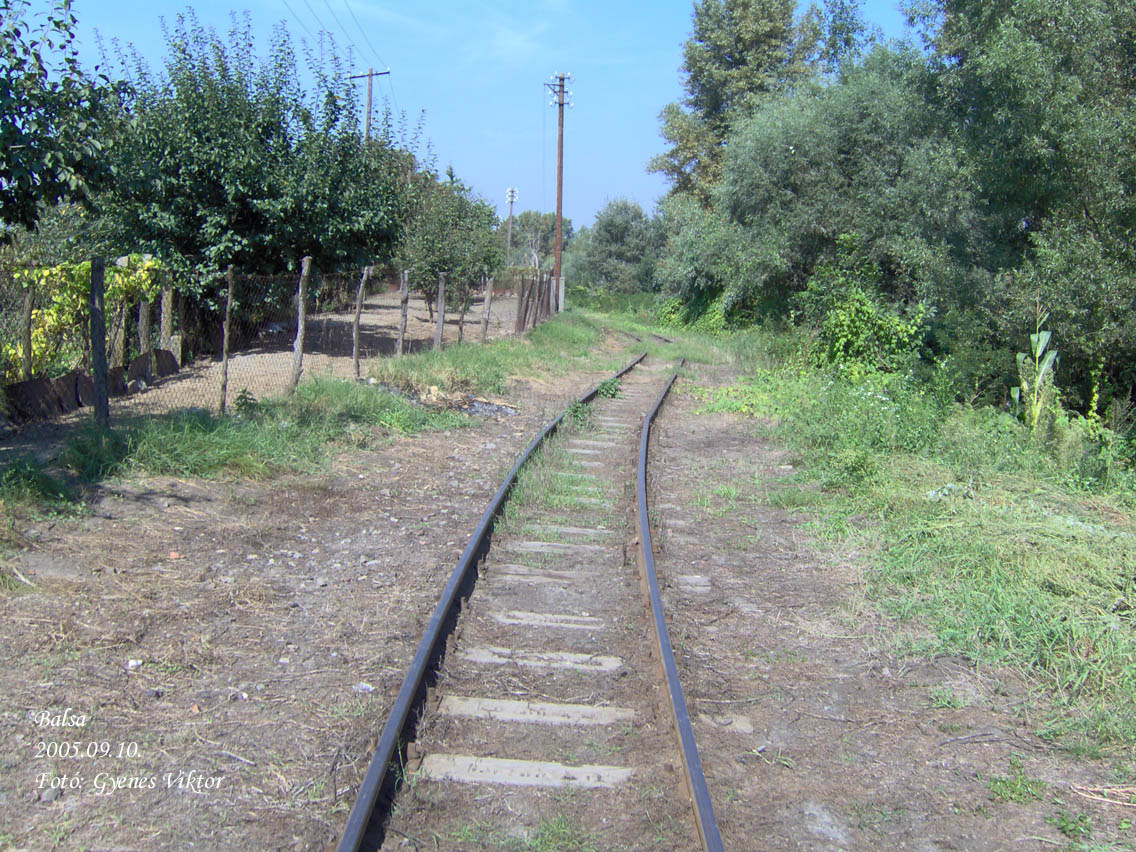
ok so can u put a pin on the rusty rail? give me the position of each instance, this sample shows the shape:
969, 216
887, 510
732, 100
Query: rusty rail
364, 826
708, 832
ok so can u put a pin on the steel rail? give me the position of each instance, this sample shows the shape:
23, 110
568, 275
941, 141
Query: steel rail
361, 831
708, 832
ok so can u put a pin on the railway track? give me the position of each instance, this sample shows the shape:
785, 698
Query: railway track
544, 702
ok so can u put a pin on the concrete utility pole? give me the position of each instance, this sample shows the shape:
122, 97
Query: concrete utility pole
560, 100
370, 75
511, 197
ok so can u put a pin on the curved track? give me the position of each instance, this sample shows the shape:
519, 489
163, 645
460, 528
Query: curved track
548, 695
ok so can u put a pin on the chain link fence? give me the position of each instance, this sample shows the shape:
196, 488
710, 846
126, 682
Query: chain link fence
168, 346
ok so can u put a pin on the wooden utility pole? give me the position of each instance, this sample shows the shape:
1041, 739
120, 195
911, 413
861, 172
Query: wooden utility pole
560, 100
370, 75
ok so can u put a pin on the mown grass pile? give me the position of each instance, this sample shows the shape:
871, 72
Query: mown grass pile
1009, 546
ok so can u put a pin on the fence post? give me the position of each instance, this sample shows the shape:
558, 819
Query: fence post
441, 311
486, 308
301, 320
98, 343
522, 304
166, 323
404, 299
560, 303
358, 313
225, 338
26, 329
145, 336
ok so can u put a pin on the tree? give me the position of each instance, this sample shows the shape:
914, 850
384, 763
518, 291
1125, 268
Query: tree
49, 144
225, 159
1044, 95
740, 52
620, 249
451, 233
868, 155
534, 239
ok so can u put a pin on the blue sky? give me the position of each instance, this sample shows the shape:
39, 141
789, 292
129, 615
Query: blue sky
477, 70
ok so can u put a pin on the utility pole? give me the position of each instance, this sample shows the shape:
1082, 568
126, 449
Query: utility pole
560, 100
370, 75
510, 196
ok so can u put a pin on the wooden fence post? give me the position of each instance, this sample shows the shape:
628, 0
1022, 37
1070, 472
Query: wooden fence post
404, 299
166, 323
98, 343
26, 330
358, 313
523, 292
441, 311
486, 308
301, 320
118, 342
145, 333
225, 338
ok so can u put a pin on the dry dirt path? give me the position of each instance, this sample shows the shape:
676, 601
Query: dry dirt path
242, 641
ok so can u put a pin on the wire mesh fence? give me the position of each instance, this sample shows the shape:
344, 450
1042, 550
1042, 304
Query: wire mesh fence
168, 346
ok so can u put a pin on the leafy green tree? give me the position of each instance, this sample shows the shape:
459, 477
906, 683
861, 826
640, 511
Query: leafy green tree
534, 239
1044, 94
225, 159
49, 113
450, 233
620, 249
867, 155
740, 52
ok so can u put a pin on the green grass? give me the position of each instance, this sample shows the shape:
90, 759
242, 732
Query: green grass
552, 480
1012, 549
266, 438
564, 342
1017, 786
559, 834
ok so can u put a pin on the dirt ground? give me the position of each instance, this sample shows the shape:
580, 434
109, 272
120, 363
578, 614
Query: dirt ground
205, 665
265, 367
814, 734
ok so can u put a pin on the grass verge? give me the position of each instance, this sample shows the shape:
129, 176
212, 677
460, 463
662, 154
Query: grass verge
1008, 548
564, 342
262, 439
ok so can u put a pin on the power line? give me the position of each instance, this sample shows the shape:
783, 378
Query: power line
346, 35
303, 26
314, 15
366, 37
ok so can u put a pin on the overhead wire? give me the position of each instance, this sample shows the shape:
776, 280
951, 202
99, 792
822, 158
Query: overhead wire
382, 62
303, 26
342, 29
